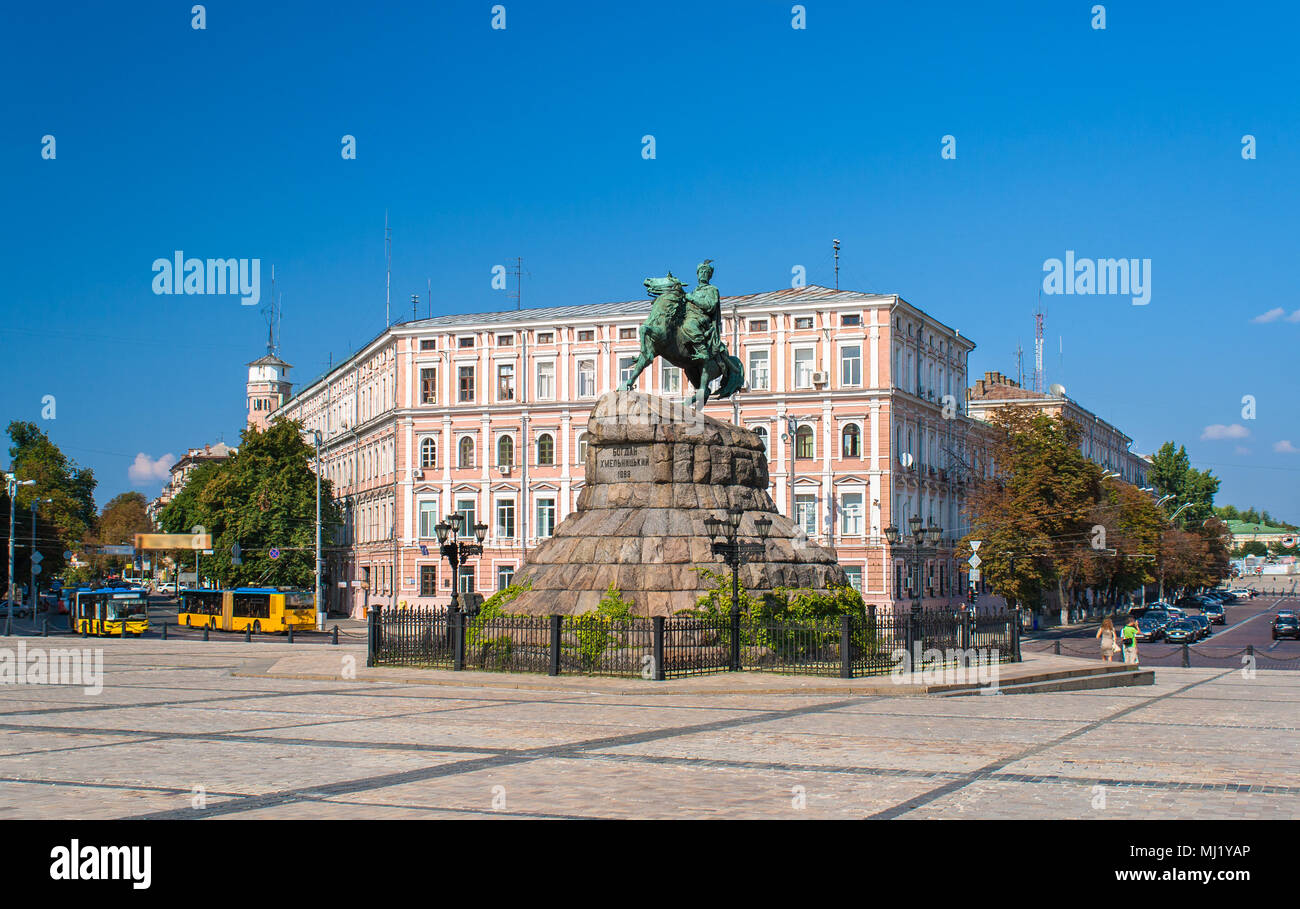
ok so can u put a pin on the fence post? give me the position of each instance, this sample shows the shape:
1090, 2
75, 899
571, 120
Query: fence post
1056, 647
372, 636
1015, 635
556, 621
458, 640
45, 628
248, 633
846, 647
735, 641
966, 620
334, 635
658, 648
205, 632
1187, 656
290, 634
164, 631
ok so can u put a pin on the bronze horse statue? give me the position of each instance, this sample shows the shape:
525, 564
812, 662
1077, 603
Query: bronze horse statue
686, 330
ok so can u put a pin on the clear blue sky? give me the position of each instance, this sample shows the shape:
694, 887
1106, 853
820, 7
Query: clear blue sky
484, 145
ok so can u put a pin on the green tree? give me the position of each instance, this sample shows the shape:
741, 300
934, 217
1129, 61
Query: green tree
1172, 474
123, 517
263, 497
61, 523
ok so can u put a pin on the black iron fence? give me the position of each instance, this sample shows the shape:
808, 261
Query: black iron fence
667, 647
1188, 656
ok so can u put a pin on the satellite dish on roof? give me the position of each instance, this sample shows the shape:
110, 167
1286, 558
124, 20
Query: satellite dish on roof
905, 459
1057, 389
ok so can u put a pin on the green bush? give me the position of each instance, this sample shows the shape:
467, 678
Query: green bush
594, 631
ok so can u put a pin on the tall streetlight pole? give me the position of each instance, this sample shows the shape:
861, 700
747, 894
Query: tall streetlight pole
919, 540
320, 595
11, 486
36, 568
725, 533
457, 551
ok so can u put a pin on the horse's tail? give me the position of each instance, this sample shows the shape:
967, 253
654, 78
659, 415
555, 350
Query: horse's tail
734, 379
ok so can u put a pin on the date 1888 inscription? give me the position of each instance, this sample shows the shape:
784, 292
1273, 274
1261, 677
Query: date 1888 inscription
624, 464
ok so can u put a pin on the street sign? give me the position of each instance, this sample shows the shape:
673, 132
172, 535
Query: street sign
36, 569
974, 561
208, 551
172, 541
974, 574
235, 557
67, 554
117, 550
37, 557
975, 545
424, 550
274, 553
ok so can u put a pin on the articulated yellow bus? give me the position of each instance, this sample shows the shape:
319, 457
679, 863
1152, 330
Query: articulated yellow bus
260, 608
105, 611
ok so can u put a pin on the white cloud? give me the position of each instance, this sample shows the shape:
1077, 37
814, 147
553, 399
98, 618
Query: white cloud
1219, 431
1271, 316
1285, 447
145, 471
1294, 317
1242, 450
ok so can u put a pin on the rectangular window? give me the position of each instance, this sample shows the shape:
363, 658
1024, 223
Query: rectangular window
672, 379
546, 381
428, 580
851, 514
505, 381
758, 324
801, 322
466, 341
855, 576
467, 509
586, 378
467, 579
805, 512
625, 365
803, 367
428, 520
627, 334
505, 340
586, 335
851, 365
759, 376
428, 344
546, 337
851, 318
429, 386
465, 384
505, 574
545, 518
505, 519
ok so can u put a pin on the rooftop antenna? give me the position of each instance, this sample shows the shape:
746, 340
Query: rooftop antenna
415, 301
835, 245
388, 288
1039, 315
518, 294
430, 280
1020, 365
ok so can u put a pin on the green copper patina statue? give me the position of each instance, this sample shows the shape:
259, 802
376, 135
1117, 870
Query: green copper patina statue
686, 330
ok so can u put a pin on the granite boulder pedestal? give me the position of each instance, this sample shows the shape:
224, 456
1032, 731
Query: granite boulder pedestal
655, 470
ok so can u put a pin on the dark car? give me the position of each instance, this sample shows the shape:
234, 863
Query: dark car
1215, 614
1183, 632
1160, 616
1203, 623
1150, 629
1286, 626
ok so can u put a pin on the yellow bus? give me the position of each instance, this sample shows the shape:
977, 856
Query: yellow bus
261, 609
107, 610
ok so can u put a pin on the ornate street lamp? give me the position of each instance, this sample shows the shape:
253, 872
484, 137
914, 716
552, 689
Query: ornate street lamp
456, 550
920, 541
725, 533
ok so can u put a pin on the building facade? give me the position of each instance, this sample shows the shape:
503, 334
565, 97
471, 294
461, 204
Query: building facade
860, 399
180, 474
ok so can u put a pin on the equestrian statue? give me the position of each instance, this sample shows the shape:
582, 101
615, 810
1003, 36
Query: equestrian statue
686, 330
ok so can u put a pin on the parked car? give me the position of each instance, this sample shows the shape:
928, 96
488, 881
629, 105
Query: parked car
1286, 626
1150, 629
1183, 632
1215, 614
1201, 622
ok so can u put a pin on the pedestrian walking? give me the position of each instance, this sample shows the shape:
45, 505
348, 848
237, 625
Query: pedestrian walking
1129, 639
1106, 634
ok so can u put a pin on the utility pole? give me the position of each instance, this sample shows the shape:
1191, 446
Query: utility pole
320, 601
11, 486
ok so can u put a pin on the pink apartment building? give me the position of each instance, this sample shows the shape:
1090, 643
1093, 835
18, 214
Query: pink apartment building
861, 399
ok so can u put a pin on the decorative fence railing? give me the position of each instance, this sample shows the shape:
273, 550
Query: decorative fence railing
667, 647
1187, 656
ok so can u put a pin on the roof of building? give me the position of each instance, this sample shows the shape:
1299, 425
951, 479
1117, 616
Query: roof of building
270, 360
812, 293
1240, 527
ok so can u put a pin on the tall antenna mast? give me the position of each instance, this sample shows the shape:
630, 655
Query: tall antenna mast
1039, 315
430, 280
415, 299
388, 288
835, 245
1020, 365
270, 319
519, 290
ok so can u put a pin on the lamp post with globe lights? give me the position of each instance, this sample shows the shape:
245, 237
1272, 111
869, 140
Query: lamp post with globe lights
725, 534
456, 550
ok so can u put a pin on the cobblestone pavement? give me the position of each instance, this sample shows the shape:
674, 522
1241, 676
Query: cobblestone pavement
174, 727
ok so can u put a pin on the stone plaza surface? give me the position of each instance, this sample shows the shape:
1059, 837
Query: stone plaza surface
180, 723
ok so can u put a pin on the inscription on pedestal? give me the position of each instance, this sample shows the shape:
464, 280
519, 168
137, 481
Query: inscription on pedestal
623, 464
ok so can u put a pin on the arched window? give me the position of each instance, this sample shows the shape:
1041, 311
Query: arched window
582, 447
761, 432
852, 441
505, 451
545, 449
429, 453
465, 452
803, 443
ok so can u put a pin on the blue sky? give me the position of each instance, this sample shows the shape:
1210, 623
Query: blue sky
486, 144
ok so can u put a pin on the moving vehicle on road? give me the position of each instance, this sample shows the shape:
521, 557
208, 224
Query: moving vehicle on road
1201, 622
1150, 629
1286, 626
110, 611
1182, 632
261, 609
1215, 613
